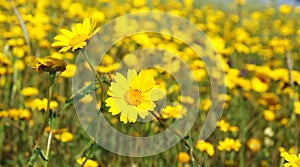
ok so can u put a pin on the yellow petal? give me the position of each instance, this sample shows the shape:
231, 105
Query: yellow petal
123, 118
62, 38
86, 26
121, 81
67, 33
117, 91
130, 74
64, 49
60, 43
132, 115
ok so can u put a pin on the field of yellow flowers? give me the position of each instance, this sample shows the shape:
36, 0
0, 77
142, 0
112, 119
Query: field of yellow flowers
77, 77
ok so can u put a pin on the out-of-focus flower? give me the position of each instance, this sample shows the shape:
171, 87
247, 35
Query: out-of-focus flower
260, 83
64, 137
204, 146
19, 65
254, 145
269, 115
269, 132
173, 112
225, 126
270, 100
77, 38
29, 91
297, 107
133, 96
285, 9
49, 64
183, 157
88, 163
69, 72
17, 114
186, 99
292, 159
205, 104
40, 104
229, 144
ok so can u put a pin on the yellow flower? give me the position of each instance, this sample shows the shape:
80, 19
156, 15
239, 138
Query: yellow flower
17, 114
77, 38
64, 137
292, 159
260, 83
19, 65
297, 107
69, 72
205, 104
229, 144
173, 112
269, 115
40, 104
225, 126
88, 163
49, 64
285, 9
183, 157
254, 145
207, 147
29, 91
133, 96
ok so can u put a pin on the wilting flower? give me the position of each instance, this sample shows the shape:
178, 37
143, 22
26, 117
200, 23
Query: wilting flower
133, 96
49, 64
77, 38
292, 160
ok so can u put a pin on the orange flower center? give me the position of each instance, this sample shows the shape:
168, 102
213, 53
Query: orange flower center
78, 40
133, 97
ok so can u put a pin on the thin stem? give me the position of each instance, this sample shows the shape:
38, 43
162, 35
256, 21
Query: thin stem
190, 148
100, 83
94, 71
242, 135
48, 146
37, 142
36, 149
22, 24
289, 61
52, 78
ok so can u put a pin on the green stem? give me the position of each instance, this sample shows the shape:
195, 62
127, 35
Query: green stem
243, 118
48, 120
100, 83
36, 149
289, 61
190, 148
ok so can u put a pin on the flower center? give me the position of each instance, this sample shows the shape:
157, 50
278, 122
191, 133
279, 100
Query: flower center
133, 97
78, 39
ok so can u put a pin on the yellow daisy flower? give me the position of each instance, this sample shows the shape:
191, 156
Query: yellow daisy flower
292, 159
133, 96
77, 38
